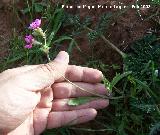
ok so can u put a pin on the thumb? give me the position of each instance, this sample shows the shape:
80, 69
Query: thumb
44, 75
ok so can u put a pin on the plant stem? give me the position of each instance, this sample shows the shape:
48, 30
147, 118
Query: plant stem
29, 10
47, 53
110, 44
87, 91
82, 89
93, 93
49, 59
113, 46
45, 41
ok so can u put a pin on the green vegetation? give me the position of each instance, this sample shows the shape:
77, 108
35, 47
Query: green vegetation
134, 93
53, 17
155, 2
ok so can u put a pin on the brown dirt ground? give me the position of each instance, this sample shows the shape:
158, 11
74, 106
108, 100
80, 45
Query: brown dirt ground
123, 31
5, 31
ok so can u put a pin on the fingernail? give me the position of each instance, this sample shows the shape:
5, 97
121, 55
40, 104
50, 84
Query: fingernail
62, 56
102, 104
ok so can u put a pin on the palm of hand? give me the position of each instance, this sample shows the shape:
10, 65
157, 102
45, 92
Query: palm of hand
40, 109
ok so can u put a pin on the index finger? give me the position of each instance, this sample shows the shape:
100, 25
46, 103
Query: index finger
82, 74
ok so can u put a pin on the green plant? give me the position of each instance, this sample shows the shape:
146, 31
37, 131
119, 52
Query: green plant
134, 93
53, 17
139, 87
155, 130
155, 2
134, 87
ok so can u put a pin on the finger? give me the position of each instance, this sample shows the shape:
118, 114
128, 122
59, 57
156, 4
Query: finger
46, 98
62, 105
40, 119
66, 90
59, 119
79, 74
44, 75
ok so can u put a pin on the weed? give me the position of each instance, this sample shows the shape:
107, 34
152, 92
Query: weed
155, 2
53, 17
139, 89
134, 108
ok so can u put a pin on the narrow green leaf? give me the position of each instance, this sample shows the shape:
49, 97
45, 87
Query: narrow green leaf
26, 10
38, 7
50, 38
73, 44
146, 87
80, 101
117, 78
57, 22
70, 48
107, 83
62, 38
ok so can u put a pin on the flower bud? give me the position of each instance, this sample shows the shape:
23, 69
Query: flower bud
45, 49
39, 32
35, 42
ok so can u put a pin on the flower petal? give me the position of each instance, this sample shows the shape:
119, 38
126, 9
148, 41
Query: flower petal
29, 39
28, 46
35, 24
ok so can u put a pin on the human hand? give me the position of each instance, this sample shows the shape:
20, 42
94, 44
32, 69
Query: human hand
34, 98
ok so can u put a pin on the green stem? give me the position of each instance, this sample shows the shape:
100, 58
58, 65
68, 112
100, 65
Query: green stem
93, 93
47, 53
29, 10
113, 46
82, 89
87, 91
110, 44
45, 41
158, 110
49, 59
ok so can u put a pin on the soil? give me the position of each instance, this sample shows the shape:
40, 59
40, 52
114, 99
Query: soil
5, 31
123, 30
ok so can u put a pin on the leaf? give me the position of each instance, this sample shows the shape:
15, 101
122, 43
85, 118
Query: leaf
70, 48
26, 10
116, 67
62, 38
80, 101
155, 130
144, 105
155, 2
38, 7
50, 38
106, 83
72, 45
58, 27
57, 20
146, 87
117, 78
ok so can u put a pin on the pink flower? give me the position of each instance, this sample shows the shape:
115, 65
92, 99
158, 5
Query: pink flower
28, 46
35, 24
29, 39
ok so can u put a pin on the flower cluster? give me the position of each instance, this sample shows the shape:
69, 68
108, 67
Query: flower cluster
29, 39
